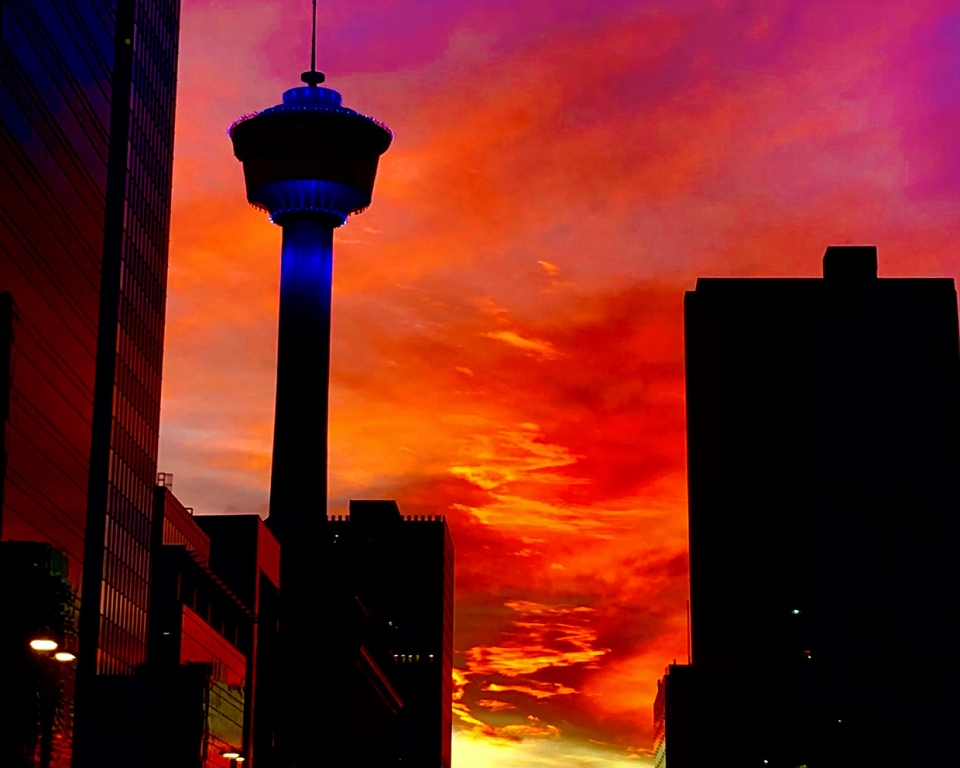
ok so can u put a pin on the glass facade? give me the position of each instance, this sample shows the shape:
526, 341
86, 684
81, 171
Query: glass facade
131, 324
224, 704
87, 95
55, 90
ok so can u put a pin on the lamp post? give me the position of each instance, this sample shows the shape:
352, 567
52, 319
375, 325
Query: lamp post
49, 657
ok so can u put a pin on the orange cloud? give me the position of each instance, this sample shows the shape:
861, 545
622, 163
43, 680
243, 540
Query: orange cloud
544, 636
550, 269
493, 461
536, 690
537, 347
494, 705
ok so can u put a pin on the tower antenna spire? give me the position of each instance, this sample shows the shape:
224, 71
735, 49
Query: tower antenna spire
313, 77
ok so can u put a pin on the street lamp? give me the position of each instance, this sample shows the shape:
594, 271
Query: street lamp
45, 645
50, 690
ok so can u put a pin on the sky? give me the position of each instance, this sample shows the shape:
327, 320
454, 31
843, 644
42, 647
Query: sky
507, 336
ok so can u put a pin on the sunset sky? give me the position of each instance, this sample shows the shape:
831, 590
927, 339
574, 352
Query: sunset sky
507, 318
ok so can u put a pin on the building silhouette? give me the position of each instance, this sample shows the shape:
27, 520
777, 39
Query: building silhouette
200, 651
823, 454
399, 569
87, 94
246, 557
309, 162
675, 724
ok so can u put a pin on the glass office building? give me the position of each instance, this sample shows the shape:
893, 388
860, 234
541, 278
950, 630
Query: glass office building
55, 91
87, 95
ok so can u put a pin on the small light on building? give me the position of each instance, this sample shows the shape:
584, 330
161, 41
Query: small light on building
43, 644
64, 656
231, 755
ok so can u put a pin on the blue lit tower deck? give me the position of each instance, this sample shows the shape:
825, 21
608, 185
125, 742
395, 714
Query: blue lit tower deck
309, 162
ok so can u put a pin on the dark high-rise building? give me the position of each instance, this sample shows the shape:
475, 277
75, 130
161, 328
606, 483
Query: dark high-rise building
87, 92
309, 162
400, 569
823, 423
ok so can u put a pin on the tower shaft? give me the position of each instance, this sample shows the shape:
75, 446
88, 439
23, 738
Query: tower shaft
298, 484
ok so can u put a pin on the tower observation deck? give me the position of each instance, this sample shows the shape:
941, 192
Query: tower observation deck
309, 162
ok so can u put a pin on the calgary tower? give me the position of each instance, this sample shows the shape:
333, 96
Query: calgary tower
309, 162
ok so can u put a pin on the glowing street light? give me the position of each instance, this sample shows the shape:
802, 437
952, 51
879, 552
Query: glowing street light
43, 644
232, 755
64, 656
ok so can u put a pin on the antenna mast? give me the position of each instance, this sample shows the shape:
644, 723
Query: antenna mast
313, 42
313, 77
